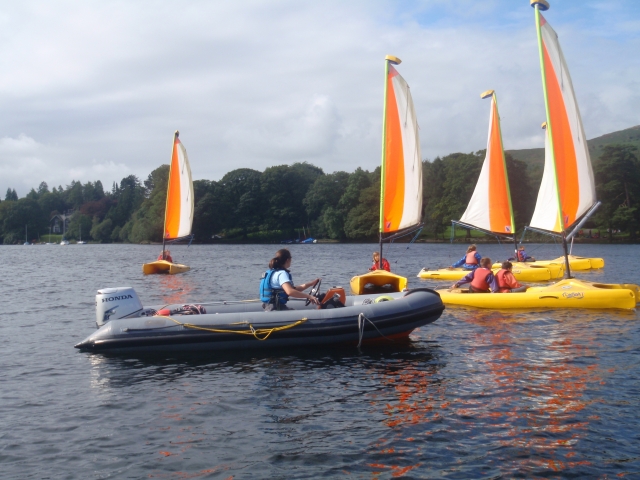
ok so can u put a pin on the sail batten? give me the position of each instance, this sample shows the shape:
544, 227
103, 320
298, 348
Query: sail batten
178, 217
490, 206
568, 174
401, 182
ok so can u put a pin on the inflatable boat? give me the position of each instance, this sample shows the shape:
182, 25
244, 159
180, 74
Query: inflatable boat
125, 325
569, 293
524, 272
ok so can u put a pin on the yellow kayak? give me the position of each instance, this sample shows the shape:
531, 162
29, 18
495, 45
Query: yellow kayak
570, 293
575, 263
162, 266
523, 272
380, 279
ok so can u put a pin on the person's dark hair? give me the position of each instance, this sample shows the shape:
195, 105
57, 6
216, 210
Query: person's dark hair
485, 262
280, 259
507, 265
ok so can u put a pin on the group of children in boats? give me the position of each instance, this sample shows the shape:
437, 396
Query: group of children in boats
481, 277
276, 285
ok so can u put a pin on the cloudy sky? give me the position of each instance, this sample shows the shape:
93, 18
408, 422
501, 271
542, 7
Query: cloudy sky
93, 90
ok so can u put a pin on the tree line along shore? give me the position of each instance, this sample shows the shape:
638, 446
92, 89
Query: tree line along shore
289, 202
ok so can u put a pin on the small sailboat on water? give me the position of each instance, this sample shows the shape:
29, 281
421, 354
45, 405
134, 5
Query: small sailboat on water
81, 242
561, 201
26, 236
490, 209
178, 215
567, 195
400, 176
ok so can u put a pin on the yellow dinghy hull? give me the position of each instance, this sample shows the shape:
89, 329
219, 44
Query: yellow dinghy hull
162, 266
379, 279
522, 272
575, 263
570, 293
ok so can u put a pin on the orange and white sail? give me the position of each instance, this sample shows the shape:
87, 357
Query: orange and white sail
490, 205
178, 217
568, 174
401, 182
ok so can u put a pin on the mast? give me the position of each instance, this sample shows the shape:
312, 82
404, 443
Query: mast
166, 206
394, 61
543, 5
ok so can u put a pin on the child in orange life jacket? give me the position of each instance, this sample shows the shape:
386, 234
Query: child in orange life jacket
376, 263
165, 255
470, 260
507, 283
522, 256
482, 279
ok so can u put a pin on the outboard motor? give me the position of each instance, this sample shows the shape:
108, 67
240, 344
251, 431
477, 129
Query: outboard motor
114, 303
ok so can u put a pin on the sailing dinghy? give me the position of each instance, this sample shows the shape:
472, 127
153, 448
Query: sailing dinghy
567, 195
178, 215
490, 209
400, 176
562, 201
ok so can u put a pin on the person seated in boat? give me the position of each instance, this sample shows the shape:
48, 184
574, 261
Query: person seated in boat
471, 259
522, 255
482, 279
376, 263
165, 255
507, 283
276, 285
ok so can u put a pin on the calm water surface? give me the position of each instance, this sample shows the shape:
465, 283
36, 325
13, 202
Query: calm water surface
478, 394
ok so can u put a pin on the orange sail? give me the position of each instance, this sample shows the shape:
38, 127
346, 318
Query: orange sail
401, 182
178, 217
490, 205
568, 172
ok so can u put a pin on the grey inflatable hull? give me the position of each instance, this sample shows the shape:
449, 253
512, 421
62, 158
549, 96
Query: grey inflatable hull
244, 326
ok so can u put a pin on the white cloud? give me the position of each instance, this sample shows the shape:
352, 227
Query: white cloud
99, 88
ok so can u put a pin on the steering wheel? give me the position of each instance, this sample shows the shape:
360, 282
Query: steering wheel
314, 291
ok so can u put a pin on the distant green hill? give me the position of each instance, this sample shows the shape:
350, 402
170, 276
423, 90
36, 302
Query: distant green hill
535, 156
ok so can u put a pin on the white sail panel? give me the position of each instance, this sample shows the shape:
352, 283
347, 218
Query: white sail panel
179, 210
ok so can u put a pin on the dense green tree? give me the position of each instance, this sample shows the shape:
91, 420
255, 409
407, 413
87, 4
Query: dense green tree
148, 220
16, 215
101, 231
617, 176
11, 195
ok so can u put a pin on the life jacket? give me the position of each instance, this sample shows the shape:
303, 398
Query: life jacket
521, 256
166, 257
471, 258
385, 265
479, 281
268, 294
503, 286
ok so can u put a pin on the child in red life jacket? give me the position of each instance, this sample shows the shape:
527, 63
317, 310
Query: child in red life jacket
482, 279
522, 255
507, 283
165, 255
470, 260
376, 263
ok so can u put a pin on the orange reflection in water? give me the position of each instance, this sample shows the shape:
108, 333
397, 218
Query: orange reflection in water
175, 288
519, 392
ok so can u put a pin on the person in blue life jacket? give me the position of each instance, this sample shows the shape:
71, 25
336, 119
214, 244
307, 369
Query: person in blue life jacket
482, 279
470, 260
276, 285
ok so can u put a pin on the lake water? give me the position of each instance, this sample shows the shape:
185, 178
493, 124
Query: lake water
477, 394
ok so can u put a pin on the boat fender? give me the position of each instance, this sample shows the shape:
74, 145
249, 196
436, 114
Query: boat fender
115, 303
165, 312
383, 298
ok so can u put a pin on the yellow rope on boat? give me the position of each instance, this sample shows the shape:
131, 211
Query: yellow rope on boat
257, 333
